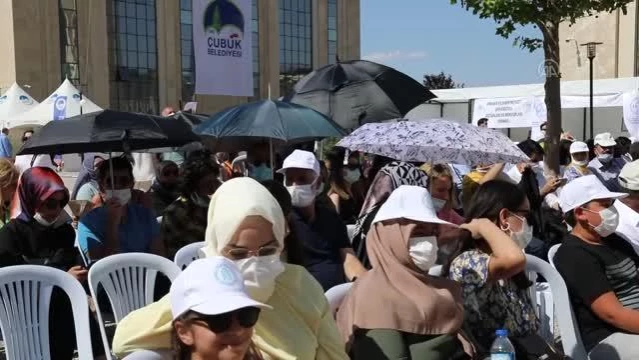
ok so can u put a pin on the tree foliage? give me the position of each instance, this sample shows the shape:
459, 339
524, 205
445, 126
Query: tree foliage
540, 13
440, 81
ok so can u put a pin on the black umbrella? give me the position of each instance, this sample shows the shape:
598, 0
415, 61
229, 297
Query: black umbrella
356, 92
109, 131
190, 118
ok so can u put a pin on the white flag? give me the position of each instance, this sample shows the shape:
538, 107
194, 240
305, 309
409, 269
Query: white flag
222, 42
631, 112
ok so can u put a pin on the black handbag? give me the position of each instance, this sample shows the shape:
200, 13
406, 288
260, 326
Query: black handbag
534, 347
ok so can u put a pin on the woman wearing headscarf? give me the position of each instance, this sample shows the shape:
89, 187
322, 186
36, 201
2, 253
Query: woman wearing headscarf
165, 186
389, 178
86, 186
396, 310
39, 233
8, 182
246, 225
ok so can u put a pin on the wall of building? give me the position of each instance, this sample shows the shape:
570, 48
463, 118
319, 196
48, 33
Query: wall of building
169, 62
616, 57
94, 54
7, 46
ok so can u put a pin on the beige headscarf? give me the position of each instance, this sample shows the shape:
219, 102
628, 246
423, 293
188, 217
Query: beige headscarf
396, 294
235, 200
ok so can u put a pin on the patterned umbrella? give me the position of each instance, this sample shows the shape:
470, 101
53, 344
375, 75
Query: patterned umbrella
436, 141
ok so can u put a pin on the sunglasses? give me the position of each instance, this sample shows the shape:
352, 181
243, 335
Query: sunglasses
53, 204
246, 317
239, 253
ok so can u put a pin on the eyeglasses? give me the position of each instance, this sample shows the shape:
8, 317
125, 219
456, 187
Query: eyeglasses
170, 173
239, 253
53, 204
246, 317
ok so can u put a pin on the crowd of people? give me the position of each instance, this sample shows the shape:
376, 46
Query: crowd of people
276, 239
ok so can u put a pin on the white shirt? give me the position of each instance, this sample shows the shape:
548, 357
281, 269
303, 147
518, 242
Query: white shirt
552, 199
628, 227
23, 162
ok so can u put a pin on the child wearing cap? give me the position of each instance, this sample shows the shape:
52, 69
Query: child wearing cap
600, 270
213, 316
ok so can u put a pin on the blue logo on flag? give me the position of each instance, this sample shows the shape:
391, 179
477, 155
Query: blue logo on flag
60, 108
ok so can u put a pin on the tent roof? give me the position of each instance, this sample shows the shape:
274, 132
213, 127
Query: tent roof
42, 113
15, 101
568, 88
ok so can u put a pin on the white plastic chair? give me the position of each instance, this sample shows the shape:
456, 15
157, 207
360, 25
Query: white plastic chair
25, 295
129, 281
570, 337
551, 254
336, 294
150, 355
159, 220
187, 254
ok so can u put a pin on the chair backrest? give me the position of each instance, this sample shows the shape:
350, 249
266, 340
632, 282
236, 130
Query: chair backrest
187, 254
570, 337
25, 295
435, 270
551, 254
350, 229
129, 282
336, 294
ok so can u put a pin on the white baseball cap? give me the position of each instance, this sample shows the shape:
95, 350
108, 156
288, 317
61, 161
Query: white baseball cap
412, 203
300, 159
605, 140
578, 147
629, 176
583, 190
210, 286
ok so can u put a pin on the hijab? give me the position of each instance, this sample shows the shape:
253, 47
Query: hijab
389, 178
166, 194
35, 186
87, 173
396, 294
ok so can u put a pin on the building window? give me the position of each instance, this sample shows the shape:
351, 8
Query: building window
70, 60
133, 55
332, 31
188, 56
296, 46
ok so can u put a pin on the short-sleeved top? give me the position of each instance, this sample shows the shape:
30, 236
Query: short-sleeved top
87, 192
593, 270
322, 242
607, 173
491, 305
135, 234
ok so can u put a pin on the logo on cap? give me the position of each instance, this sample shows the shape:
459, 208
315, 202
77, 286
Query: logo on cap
225, 275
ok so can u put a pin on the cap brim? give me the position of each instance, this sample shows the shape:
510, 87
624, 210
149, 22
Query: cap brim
427, 220
227, 303
603, 196
606, 143
283, 170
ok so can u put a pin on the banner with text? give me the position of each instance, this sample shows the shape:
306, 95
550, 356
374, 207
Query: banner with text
505, 112
222, 44
631, 112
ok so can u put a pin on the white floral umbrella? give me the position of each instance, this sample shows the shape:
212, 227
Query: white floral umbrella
435, 141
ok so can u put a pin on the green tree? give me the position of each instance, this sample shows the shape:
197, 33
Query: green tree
546, 15
440, 81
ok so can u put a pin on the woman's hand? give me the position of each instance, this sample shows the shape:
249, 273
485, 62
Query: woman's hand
477, 227
79, 272
551, 186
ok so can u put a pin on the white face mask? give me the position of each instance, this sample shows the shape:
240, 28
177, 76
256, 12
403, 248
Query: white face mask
609, 221
438, 204
580, 163
604, 158
524, 235
259, 273
302, 195
352, 176
123, 196
42, 221
423, 251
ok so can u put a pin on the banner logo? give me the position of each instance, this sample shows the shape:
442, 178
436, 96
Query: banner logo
224, 25
25, 100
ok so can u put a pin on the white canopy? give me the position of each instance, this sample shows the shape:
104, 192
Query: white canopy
15, 101
42, 113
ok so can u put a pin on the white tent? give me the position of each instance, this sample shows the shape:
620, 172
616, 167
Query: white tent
607, 97
15, 101
44, 112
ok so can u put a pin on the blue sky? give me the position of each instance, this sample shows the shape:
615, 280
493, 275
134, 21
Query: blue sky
428, 36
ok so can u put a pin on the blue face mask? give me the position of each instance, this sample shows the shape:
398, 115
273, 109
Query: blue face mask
261, 173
